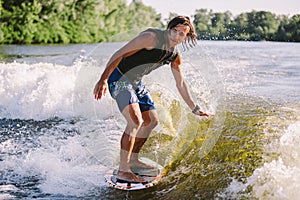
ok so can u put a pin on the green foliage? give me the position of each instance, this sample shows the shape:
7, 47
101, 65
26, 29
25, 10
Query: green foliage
292, 29
202, 23
90, 21
70, 21
255, 25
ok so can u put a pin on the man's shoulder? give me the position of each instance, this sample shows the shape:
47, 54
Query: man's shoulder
154, 32
157, 34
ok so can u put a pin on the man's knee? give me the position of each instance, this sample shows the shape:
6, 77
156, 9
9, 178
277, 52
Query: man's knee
137, 121
151, 122
154, 122
133, 116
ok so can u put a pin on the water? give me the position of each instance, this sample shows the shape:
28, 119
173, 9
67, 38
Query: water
56, 142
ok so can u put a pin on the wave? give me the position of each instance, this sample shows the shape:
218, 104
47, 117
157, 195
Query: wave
58, 142
59, 134
282, 170
36, 91
279, 161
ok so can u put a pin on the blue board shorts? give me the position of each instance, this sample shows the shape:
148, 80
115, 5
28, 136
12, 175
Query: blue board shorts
125, 93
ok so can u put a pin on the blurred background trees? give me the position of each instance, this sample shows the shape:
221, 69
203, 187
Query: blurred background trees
254, 26
71, 21
91, 21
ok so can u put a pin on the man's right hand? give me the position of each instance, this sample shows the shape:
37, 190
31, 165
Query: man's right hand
100, 89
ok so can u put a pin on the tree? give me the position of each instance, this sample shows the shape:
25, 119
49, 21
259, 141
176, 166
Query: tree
293, 29
202, 21
86, 21
262, 25
143, 16
241, 23
221, 25
71, 21
281, 34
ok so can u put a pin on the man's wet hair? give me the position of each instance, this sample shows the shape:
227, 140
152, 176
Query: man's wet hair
191, 40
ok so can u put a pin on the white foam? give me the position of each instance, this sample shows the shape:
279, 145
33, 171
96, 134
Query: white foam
6, 196
44, 90
279, 179
36, 91
63, 166
8, 188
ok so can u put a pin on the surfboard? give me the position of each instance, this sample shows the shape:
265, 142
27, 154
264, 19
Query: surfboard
151, 175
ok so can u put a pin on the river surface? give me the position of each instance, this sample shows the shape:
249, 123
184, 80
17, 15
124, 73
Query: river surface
57, 142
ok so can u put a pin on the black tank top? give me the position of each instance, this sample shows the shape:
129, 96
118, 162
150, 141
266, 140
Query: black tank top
144, 61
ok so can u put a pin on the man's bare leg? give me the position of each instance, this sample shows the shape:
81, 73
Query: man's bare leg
150, 122
134, 120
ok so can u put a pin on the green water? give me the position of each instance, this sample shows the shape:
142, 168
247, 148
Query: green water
237, 149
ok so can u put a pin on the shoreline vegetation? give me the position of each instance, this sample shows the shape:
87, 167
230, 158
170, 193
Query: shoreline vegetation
93, 21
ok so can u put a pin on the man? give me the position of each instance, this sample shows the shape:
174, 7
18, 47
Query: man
123, 77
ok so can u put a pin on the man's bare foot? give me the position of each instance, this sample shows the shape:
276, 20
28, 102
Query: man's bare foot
129, 177
140, 165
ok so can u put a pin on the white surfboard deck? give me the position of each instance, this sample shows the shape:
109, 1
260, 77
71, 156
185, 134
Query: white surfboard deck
151, 175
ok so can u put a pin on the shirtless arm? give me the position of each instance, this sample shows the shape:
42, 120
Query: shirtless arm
144, 40
182, 87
